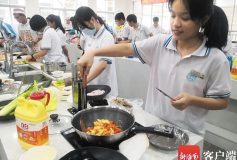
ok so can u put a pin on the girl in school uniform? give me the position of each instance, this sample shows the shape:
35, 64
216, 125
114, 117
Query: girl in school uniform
50, 49
189, 65
55, 22
96, 35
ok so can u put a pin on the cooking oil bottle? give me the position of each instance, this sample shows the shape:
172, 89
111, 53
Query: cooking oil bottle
31, 123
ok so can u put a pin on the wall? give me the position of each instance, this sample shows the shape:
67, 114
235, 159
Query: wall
132, 78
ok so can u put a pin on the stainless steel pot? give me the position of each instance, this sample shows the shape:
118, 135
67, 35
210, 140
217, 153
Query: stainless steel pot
123, 118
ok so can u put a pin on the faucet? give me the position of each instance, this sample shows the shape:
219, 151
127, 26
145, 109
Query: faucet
15, 44
6, 45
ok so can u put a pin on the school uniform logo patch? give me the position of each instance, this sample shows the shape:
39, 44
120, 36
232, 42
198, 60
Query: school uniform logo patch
193, 75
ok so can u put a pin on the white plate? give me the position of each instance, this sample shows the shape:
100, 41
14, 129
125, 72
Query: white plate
40, 153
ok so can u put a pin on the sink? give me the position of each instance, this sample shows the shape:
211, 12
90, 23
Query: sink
23, 68
30, 76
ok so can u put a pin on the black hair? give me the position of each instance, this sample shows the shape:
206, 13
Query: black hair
56, 19
132, 18
85, 14
216, 27
71, 19
155, 19
37, 22
119, 16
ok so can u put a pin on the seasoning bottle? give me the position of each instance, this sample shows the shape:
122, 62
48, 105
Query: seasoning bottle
78, 91
31, 123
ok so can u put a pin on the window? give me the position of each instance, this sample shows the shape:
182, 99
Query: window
145, 13
62, 8
137, 10
6, 9
230, 9
105, 9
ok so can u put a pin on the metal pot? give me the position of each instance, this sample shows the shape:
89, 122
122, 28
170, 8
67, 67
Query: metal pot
123, 118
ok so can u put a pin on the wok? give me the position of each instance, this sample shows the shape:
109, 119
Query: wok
122, 118
94, 153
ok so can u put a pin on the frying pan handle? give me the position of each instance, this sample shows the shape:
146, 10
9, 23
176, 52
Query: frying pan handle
154, 130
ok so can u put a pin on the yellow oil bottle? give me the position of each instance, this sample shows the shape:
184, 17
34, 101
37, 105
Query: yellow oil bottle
234, 69
31, 123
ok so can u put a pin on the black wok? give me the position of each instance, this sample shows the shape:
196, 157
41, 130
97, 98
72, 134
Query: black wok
94, 153
123, 118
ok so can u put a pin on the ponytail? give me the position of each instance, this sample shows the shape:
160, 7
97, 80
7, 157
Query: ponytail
101, 21
216, 29
59, 24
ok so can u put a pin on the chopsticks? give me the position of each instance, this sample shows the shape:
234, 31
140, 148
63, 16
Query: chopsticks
165, 94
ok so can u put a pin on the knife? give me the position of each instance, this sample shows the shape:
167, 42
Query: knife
166, 94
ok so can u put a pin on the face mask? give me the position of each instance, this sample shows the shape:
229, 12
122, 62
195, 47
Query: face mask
89, 32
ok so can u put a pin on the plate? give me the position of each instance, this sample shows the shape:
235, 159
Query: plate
165, 143
91, 88
40, 153
7, 117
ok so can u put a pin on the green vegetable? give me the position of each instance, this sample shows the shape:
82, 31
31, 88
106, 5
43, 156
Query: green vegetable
60, 82
10, 107
35, 86
46, 84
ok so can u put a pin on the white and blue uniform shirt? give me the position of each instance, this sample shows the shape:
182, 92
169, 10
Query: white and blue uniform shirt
108, 77
52, 43
203, 73
139, 33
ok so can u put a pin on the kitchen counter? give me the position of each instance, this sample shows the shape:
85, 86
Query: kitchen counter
8, 136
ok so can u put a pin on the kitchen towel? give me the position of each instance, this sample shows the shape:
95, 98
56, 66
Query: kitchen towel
134, 147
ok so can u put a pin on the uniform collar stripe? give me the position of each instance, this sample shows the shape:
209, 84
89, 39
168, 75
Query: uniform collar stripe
136, 53
167, 41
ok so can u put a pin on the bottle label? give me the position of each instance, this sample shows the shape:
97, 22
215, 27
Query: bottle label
32, 133
234, 71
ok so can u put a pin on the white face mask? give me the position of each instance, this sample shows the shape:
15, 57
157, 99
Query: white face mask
89, 32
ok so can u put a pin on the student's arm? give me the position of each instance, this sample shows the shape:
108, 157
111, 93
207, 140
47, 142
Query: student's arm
97, 70
65, 52
124, 41
115, 50
37, 55
184, 100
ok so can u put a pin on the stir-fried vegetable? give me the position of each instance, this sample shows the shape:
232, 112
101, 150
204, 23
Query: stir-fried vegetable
103, 127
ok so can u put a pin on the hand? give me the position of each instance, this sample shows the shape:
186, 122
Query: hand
182, 101
28, 57
85, 62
